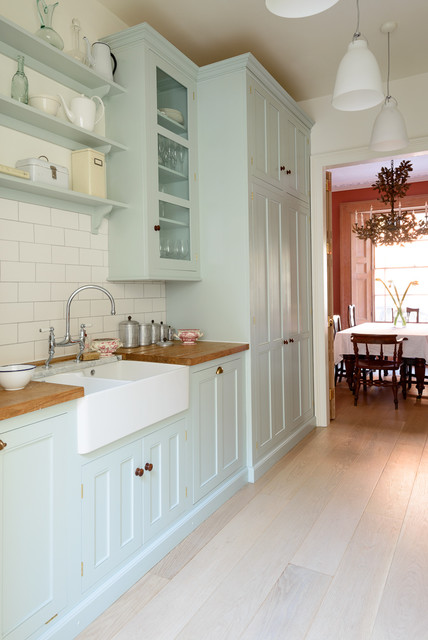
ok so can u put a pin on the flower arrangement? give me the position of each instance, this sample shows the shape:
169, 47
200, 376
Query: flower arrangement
397, 300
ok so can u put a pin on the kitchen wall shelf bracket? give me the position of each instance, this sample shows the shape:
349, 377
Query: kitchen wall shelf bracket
51, 62
12, 188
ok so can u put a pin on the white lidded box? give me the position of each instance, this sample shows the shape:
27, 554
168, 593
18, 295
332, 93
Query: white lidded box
41, 170
88, 171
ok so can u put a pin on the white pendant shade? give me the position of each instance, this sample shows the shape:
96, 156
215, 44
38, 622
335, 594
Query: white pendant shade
298, 8
389, 129
358, 80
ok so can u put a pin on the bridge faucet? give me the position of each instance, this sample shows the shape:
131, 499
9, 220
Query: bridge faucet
68, 340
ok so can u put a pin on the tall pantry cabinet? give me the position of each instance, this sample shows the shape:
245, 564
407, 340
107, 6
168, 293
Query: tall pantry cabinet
253, 152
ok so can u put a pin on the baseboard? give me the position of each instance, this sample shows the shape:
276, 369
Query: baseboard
73, 622
259, 469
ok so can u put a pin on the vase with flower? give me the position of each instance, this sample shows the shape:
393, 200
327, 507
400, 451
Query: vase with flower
399, 317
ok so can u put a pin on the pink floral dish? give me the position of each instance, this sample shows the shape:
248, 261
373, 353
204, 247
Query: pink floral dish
188, 336
106, 346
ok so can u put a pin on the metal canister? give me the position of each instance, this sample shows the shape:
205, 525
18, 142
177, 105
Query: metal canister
156, 329
145, 334
129, 332
163, 332
171, 332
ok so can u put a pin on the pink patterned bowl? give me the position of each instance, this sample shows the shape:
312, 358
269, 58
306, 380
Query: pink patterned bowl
188, 336
106, 346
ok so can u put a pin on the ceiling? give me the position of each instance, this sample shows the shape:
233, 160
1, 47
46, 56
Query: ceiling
302, 54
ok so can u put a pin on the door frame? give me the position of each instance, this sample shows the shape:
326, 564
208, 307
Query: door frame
319, 164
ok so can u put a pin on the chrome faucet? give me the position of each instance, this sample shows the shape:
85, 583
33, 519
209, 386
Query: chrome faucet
68, 340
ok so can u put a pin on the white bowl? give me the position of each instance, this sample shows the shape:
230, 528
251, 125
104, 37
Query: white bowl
174, 114
16, 376
48, 104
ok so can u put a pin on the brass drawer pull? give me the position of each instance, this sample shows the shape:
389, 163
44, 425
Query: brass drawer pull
2, 445
219, 370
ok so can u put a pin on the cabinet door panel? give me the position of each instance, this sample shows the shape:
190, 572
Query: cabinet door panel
110, 511
208, 434
230, 417
34, 525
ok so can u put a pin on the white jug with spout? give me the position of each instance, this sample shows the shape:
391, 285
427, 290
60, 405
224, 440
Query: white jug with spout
101, 59
83, 111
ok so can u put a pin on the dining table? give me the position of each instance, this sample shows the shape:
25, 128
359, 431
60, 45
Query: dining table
415, 348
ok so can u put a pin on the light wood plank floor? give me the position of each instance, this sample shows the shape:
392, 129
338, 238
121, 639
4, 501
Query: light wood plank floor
331, 544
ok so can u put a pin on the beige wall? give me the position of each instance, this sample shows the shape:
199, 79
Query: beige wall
45, 254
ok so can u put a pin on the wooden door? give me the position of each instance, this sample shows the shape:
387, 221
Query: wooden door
330, 328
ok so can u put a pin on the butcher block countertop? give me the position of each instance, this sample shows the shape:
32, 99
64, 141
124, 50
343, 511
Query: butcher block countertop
36, 395
178, 353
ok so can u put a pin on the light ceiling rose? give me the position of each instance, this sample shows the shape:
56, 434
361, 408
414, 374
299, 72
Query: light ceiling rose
358, 81
298, 8
389, 130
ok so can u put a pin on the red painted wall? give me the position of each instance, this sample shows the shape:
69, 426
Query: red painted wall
355, 195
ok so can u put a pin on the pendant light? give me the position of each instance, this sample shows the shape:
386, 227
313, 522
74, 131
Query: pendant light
298, 8
389, 129
358, 81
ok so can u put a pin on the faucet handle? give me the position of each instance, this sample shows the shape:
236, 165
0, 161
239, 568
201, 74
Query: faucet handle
51, 330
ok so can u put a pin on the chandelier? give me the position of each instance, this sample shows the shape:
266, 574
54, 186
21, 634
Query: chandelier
393, 226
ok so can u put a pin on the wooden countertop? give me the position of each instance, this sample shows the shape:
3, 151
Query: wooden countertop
36, 395
178, 353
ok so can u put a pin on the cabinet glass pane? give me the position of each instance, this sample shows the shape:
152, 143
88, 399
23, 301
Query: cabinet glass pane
173, 168
171, 104
174, 233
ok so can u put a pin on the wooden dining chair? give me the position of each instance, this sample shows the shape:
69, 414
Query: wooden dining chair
369, 355
351, 315
338, 368
409, 311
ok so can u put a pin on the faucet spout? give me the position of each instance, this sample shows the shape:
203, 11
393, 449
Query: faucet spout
67, 338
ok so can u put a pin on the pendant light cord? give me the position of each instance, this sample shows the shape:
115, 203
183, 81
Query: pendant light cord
357, 33
388, 96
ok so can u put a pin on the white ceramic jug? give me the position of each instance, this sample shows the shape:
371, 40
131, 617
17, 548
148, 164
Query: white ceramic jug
101, 59
83, 111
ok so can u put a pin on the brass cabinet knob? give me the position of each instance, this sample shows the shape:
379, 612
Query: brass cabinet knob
285, 341
219, 370
148, 466
157, 227
2, 445
291, 339
139, 472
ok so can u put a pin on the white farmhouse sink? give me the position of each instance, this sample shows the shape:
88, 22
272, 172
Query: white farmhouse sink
123, 397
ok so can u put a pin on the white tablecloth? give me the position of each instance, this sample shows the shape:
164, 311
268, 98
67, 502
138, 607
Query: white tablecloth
416, 345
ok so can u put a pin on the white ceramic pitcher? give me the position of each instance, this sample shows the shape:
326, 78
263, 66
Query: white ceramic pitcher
101, 59
83, 111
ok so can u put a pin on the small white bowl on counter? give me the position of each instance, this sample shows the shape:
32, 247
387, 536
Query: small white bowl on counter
16, 376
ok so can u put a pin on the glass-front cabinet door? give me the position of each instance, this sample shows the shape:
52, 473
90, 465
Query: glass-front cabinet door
174, 211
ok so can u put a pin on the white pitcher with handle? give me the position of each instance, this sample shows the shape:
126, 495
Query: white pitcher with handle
101, 59
83, 111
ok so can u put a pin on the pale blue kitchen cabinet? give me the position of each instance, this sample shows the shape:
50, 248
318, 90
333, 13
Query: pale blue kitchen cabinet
158, 236
35, 513
218, 423
130, 494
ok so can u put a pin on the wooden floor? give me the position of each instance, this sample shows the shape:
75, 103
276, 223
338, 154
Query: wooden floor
331, 544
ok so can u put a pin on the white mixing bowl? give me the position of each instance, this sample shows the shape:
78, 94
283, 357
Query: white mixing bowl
48, 104
16, 376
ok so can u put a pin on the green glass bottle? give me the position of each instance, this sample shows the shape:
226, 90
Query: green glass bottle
20, 83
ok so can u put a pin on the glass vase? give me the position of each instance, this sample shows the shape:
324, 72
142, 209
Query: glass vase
399, 318
46, 32
19, 88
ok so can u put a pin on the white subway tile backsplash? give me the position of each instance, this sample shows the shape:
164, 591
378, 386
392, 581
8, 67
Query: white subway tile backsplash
9, 250
34, 213
45, 255
48, 235
9, 291
16, 312
77, 273
20, 231
18, 271
50, 273
8, 209
91, 257
33, 291
32, 252
65, 219
8, 334
65, 255
77, 238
